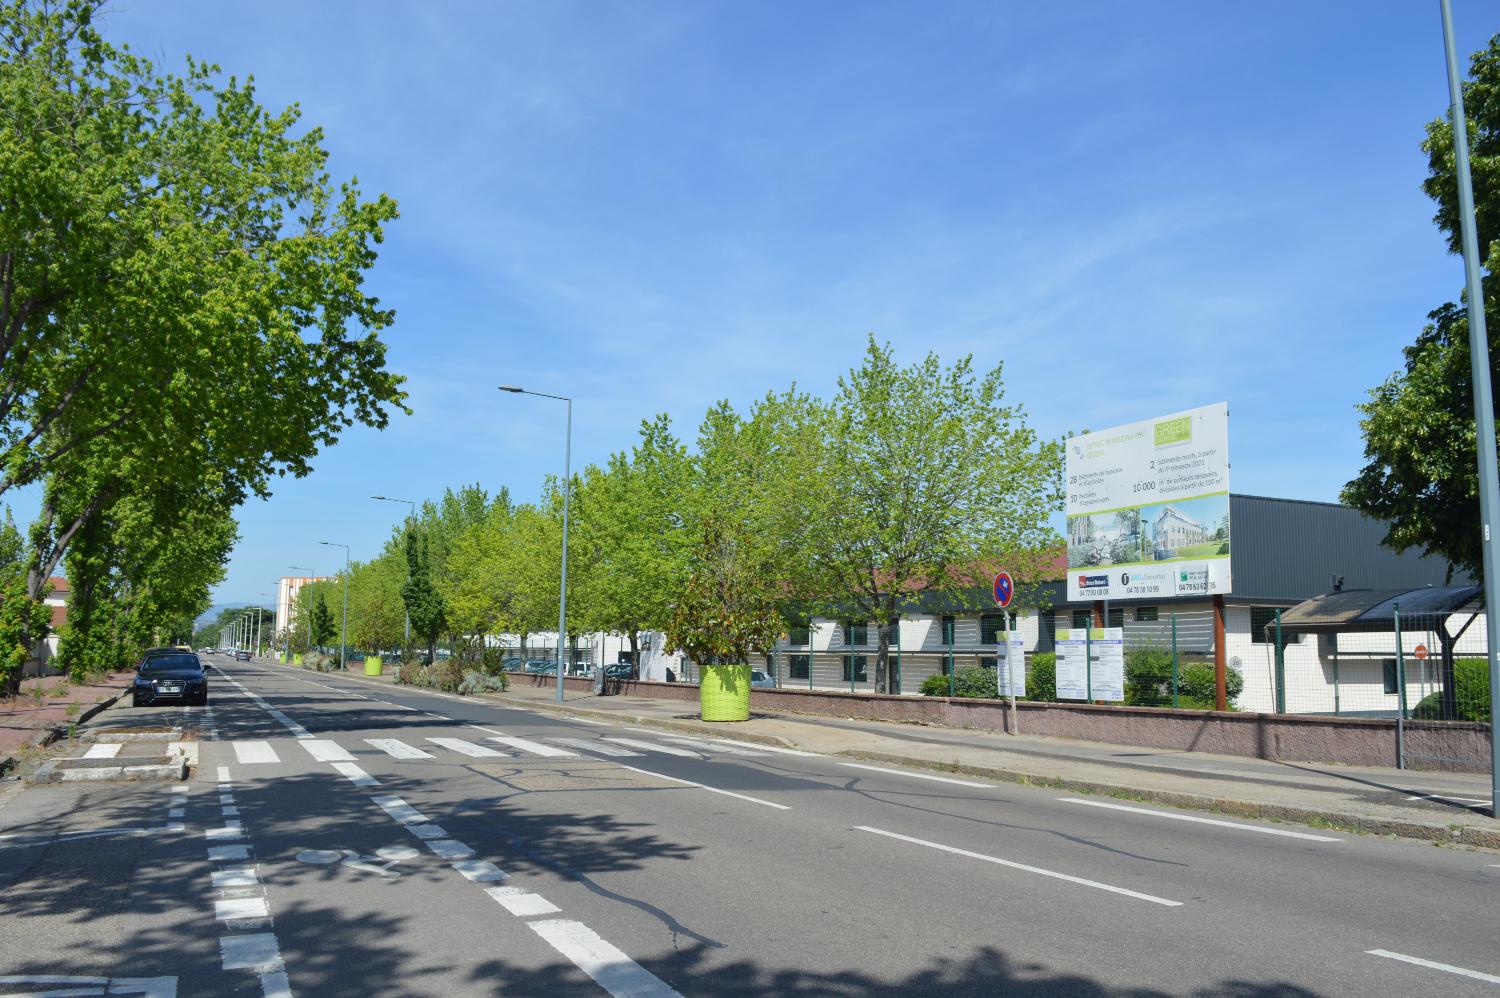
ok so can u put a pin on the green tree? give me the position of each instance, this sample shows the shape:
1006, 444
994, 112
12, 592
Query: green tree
1421, 474
729, 606
323, 627
155, 228
928, 482
424, 604
377, 617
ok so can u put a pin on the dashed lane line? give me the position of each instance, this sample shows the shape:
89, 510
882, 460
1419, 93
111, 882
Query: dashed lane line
610, 968
1022, 866
1446, 968
917, 776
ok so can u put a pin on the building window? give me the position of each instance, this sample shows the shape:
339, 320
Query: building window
948, 630
799, 634
799, 666
856, 633
860, 675
989, 628
1116, 617
1260, 634
895, 632
1145, 614
1083, 618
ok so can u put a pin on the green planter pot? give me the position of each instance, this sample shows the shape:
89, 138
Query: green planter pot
297, 658
372, 665
724, 693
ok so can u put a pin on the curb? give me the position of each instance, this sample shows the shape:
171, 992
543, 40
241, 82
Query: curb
52, 734
1424, 831
665, 723
117, 770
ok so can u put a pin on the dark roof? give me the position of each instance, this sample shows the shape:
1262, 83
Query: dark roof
1375, 609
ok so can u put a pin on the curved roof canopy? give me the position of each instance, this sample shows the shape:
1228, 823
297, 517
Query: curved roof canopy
1375, 609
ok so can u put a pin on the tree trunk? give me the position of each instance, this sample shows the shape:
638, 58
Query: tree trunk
635, 652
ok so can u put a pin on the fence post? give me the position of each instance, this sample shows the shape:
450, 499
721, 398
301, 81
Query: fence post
1400, 689
1280, 667
1174, 662
952, 688
1088, 663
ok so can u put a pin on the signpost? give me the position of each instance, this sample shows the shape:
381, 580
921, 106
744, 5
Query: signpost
1005, 591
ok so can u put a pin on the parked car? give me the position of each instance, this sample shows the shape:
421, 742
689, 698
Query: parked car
761, 681
620, 670
178, 677
541, 666
511, 663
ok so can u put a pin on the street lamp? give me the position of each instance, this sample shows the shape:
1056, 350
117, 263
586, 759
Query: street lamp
258, 612
344, 626
407, 639
562, 603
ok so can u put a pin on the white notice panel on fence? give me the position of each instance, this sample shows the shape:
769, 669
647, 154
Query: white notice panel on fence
1012, 668
1072, 664
1148, 508
1107, 679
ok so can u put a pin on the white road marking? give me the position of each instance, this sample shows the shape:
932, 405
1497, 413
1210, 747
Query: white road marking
653, 747
519, 901
181, 788
590, 720
1461, 800
18, 839
357, 776
235, 876
468, 748
706, 746
1445, 967
222, 854
275, 985
104, 750
252, 752
595, 746
536, 748
1203, 821
178, 812
701, 786
1022, 866
479, 871
400, 810
144, 987
257, 952
223, 775
324, 750
918, 776
397, 749
767, 748
235, 908
231, 830
449, 848
610, 968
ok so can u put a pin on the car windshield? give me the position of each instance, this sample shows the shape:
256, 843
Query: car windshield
168, 663
759, 677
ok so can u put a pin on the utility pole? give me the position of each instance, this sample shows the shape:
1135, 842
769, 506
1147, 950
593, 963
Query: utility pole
344, 625
1484, 407
406, 640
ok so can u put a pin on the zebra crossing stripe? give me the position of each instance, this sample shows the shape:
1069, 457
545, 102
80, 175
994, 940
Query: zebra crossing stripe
397, 749
468, 748
252, 752
537, 748
595, 746
653, 747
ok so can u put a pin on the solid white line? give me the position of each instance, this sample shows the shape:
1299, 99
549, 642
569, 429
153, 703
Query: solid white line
536, 748
700, 786
17, 839
519, 901
1461, 800
610, 968
1022, 866
397, 749
104, 750
248, 753
357, 776
590, 720
1203, 821
918, 776
653, 747
469, 748
1445, 967
324, 750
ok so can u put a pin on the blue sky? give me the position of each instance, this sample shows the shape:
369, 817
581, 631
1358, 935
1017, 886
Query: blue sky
1138, 208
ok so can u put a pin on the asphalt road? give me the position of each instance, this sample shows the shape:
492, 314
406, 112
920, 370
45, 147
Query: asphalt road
343, 838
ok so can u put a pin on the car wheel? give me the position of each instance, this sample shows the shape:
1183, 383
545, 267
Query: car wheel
136, 701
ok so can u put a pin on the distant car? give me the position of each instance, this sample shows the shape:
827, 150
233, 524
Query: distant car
541, 666
178, 677
242, 656
511, 663
761, 681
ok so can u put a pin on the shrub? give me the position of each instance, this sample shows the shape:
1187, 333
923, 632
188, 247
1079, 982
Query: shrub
936, 685
447, 675
1148, 677
974, 681
1196, 683
1471, 693
480, 682
1041, 678
409, 673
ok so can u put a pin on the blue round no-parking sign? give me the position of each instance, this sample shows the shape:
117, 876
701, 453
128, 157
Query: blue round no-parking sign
1005, 589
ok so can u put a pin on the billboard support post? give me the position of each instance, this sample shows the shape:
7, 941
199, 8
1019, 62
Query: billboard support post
1221, 699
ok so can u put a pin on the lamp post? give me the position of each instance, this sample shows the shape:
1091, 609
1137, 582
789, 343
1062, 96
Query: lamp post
344, 616
259, 612
562, 603
406, 641
344, 624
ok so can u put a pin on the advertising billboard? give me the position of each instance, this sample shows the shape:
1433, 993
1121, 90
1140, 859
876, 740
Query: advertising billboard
1148, 508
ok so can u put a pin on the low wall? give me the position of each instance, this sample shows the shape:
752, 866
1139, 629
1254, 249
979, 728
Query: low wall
1351, 741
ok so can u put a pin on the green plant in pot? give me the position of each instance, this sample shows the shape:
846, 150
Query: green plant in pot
726, 611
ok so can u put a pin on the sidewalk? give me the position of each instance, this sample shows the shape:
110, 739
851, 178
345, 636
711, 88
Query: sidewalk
51, 702
1448, 807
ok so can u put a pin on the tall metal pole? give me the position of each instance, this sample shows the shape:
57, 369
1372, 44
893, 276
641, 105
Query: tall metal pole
1484, 406
562, 603
344, 623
